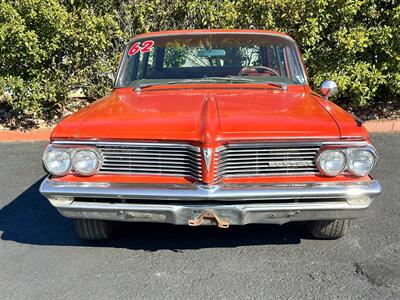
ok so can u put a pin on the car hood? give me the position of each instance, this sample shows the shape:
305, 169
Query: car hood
201, 114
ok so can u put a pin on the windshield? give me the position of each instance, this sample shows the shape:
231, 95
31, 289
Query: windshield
205, 58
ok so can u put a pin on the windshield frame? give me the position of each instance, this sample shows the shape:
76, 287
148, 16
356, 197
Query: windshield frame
141, 37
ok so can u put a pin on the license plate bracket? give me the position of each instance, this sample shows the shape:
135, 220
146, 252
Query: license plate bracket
206, 216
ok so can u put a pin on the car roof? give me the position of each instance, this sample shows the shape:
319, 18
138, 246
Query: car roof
211, 31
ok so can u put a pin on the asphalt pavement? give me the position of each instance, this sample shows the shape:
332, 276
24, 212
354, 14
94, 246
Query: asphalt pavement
40, 257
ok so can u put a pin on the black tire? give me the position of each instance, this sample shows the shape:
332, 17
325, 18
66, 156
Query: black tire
87, 229
329, 229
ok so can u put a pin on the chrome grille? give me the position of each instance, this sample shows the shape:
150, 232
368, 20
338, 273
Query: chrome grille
273, 159
151, 158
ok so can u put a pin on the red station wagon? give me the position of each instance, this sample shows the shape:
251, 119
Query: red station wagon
211, 127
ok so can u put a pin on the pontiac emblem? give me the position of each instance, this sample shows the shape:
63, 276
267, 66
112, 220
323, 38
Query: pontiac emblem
291, 164
207, 153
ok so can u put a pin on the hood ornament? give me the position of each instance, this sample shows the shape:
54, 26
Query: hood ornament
207, 153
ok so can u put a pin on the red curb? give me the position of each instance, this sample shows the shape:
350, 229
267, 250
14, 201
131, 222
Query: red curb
44, 134
25, 136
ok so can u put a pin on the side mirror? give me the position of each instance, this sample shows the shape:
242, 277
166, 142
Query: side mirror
328, 89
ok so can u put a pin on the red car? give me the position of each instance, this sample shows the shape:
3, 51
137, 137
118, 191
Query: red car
211, 127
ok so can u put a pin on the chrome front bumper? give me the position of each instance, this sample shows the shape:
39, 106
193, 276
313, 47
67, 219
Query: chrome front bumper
239, 204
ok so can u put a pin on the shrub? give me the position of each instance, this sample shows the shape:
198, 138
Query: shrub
49, 48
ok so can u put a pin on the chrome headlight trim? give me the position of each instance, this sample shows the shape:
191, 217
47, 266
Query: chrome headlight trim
347, 150
350, 153
97, 155
324, 152
71, 150
50, 149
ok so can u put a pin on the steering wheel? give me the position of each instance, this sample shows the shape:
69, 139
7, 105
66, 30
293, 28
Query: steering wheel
258, 69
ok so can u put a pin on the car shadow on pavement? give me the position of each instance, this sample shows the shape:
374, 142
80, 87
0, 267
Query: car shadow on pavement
30, 219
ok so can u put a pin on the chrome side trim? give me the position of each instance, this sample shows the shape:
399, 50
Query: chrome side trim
347, 143
172, 145
295, 141
222, 192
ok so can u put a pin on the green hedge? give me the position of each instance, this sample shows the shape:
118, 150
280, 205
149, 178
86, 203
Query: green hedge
48, 47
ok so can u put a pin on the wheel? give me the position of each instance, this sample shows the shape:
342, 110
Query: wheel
88, 229
329, 229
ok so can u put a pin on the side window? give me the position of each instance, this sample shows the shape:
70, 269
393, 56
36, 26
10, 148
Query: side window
295, 66
128, 74
151, 64
289, 64
282, 61
141, 64
146, 63
272, 59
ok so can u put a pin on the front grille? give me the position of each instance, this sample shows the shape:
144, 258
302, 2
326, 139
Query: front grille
272, 159
151, 159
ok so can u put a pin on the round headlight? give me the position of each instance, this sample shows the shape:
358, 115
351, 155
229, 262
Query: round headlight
57, 162
85, 162
331, 162
361, 162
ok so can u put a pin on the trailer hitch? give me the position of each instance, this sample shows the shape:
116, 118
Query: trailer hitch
209, 215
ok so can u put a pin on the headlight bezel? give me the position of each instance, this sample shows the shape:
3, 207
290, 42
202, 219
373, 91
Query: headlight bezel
327, 150
71, 150
46, 154
87, 149
347, 150
369, 149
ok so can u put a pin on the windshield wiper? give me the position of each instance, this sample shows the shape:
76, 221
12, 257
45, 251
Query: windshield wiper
139, 86
282, 86
230, 79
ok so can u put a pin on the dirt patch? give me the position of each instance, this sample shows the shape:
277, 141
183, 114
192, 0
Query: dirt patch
24, 120
380, 111
379, 273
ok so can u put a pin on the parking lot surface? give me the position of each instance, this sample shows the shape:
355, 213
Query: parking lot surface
40, 257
